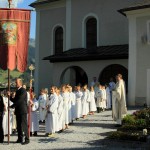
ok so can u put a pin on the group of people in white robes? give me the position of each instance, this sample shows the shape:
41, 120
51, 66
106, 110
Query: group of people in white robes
63, 106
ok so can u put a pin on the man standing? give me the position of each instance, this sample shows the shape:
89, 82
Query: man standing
119, 101
1, 119
21, 109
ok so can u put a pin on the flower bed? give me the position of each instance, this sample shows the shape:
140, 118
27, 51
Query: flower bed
135, 127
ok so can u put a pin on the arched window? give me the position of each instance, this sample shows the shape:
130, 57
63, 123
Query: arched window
91, 33
59, 40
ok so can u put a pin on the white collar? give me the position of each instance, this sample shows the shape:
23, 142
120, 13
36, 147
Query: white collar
19, 87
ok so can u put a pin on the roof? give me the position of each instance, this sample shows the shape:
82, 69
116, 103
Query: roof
139, 5
99, 53
37, 2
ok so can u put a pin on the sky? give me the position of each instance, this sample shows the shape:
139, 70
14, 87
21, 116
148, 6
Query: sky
24, 4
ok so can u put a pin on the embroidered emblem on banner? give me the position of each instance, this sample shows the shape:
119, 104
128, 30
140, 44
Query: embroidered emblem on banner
8, 33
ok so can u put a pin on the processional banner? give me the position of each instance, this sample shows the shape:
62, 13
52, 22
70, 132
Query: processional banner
14, 38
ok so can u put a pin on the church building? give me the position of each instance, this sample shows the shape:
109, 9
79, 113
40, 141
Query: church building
77, 40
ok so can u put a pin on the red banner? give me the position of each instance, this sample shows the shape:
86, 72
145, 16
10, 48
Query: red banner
14, 38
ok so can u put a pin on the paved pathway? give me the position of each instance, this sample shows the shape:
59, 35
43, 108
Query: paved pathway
84, 134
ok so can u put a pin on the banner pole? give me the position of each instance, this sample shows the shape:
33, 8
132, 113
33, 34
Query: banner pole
8, 106
9, 3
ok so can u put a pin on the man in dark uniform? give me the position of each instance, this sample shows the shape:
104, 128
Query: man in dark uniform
2, 107
21, 110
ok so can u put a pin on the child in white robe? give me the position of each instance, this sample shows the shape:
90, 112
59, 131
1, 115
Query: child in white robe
5, 117
108, 97
92, 102
73, 104
104, 98
69, 105
42, 103
52, 112
65, 95
78, 94
99, 100
84, 101
61, 122
34, 123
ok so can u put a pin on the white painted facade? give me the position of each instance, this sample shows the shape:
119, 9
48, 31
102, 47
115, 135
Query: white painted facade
112, 29
139, 53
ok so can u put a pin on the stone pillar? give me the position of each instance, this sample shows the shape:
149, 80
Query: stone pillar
132, 79
37, 47
148, 88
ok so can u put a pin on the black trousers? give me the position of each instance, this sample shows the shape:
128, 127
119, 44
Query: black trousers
22, 126
1, 129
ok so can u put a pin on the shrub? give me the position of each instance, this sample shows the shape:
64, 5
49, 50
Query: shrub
118, 135
129, 119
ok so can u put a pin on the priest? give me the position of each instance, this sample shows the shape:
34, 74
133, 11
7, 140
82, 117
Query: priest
119, 101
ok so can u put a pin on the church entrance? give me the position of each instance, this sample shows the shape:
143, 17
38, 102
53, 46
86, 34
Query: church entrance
74, 75
112, 71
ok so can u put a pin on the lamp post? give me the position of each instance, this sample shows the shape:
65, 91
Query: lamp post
31, 68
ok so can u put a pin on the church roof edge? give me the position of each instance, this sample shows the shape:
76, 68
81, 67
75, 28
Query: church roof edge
34, 4
99, 53
142, 5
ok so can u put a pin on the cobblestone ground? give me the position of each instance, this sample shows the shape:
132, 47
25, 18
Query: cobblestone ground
84, 134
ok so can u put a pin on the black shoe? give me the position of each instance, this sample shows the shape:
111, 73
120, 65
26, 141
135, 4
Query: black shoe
1, 142
118, 125
30, 133
26, 142
18, 141
35, 134
40, 121
14, 131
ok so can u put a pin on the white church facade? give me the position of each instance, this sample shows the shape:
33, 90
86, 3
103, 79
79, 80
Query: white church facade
77, 40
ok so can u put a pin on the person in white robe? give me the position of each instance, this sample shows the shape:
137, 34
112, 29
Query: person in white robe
103, 98
14, 123
108, 99
69, 105
66, 98
73, 104
5, 117
88, 101
78, 94
61, 121
92, 101
99, 99
42, 104
34, 123
84, 101
52, 112
119, 100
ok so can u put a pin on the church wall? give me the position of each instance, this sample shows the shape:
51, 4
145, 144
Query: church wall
48, 19
113, 27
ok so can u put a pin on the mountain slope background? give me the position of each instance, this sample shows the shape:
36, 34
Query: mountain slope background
16, 74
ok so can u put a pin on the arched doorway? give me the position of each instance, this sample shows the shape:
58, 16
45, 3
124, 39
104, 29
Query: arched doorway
74, 75
112, 71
